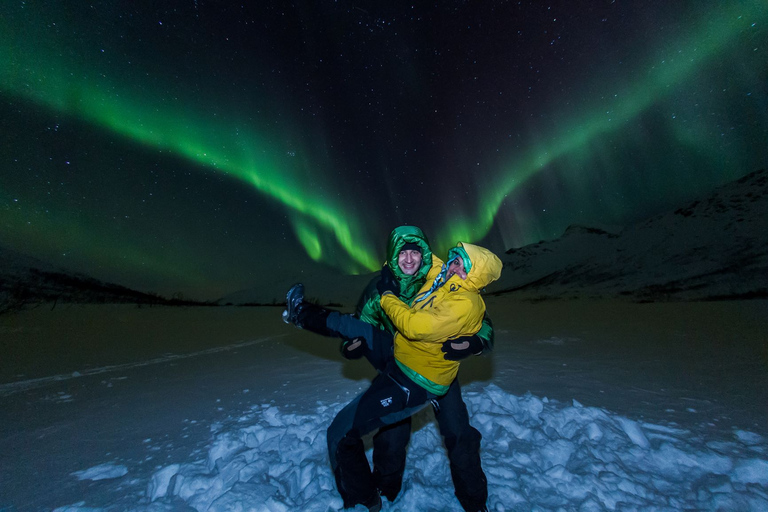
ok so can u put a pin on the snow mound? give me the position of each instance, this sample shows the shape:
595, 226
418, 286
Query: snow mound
536, 453
269, 460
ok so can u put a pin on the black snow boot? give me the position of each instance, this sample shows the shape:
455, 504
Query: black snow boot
473, 506
373, 504
293, 299
354, 480
352, 499
388, 485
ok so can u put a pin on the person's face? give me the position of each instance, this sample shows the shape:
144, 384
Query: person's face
409, 261
457, 267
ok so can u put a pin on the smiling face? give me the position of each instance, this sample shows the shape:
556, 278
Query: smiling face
409, 261
456, 266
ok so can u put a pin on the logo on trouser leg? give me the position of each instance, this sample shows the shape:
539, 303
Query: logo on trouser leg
386, 402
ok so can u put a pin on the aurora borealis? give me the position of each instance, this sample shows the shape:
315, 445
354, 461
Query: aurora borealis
193, 146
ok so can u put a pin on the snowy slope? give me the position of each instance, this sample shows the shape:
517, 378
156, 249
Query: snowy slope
712, 248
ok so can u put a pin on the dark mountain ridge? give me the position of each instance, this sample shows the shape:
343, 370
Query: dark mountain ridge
26, 281
711, 248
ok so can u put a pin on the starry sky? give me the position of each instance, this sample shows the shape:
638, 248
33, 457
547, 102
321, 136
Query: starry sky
202, 147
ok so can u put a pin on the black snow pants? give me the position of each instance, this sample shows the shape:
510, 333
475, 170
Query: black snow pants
388, 406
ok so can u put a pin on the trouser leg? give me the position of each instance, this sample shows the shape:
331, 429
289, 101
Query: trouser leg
389, 451
327, 322
391, 441
346, 451
314, 318
380, 353
385, 402
462, 441
354, 479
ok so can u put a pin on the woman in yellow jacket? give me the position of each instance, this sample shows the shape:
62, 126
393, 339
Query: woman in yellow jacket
448, 308
452, 307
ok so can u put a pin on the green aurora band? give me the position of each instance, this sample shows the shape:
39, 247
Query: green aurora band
713, 35
32, 72
204, 141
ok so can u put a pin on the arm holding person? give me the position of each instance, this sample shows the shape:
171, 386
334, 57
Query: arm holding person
444, 321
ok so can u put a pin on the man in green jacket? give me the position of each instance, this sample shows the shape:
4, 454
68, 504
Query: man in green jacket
412, 264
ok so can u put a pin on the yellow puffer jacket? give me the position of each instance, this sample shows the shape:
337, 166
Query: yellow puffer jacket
454, 309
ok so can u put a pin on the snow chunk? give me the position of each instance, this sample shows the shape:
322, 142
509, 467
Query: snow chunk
101, 472
753, 471
748, 438
158, 484
633, 431
77, 507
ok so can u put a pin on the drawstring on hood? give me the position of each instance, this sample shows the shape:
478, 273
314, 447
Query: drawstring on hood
437, 283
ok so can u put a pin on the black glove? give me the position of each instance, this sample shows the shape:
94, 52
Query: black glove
387, 282
354, 348
462, 348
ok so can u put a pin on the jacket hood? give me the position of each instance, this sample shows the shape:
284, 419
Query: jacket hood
408, 235
483, 266
400, 236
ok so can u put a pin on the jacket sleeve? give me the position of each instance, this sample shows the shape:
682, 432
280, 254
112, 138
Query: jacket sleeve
368, 302
486, 333
369, 308
437, 324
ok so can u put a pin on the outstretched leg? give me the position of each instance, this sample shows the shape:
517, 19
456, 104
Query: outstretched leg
375, 344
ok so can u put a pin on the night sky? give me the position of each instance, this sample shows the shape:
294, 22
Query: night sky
204, 146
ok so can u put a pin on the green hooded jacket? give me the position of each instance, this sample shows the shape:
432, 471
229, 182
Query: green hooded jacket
369, 306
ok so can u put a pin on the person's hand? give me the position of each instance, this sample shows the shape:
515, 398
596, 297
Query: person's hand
387, 282
354, 348
462, 348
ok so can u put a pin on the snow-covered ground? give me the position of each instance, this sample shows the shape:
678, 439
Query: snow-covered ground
584, 405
